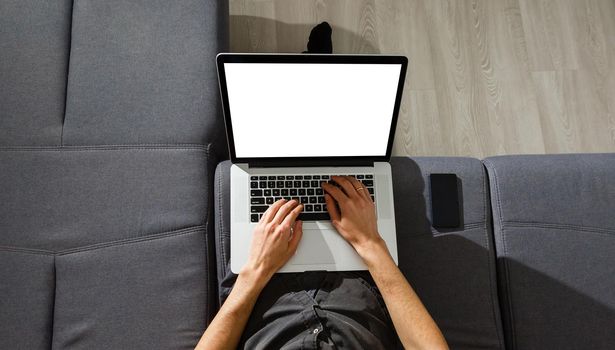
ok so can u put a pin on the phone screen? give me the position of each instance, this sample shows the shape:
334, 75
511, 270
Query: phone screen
444, 200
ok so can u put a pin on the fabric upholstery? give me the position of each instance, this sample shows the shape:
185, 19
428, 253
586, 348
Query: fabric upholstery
222, 222
144, 71
62, 198
452, 270
145, 293
554, 234
34, 47
26, 298
113, 243
106, 171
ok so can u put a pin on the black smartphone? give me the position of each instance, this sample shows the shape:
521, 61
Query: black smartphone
444, 200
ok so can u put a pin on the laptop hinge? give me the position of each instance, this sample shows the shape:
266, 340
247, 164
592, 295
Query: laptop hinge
309, 163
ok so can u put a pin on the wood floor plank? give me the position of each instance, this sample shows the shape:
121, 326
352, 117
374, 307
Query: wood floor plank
419, 130
571, 115
393, 24
558, 126
549, 27
512, 108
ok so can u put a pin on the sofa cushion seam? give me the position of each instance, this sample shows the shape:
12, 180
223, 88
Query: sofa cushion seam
104, 148
556, 226
221, 224
503, 237
133, 240
489, 262
434, 231
26, 250
205, 235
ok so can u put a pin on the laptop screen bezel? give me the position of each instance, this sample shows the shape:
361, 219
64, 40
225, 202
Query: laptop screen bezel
223, 58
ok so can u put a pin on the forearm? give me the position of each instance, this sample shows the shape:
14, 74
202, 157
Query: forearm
415, 327
226, 328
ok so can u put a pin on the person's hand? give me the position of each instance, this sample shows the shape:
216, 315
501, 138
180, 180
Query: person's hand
352, 212
275, 238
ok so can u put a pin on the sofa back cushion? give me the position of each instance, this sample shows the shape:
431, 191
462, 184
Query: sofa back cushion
554, 232
34, 49
144, 71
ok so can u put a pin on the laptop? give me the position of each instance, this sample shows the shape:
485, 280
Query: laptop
293, 121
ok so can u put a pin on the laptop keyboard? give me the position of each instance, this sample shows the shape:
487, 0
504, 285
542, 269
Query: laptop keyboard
307, 189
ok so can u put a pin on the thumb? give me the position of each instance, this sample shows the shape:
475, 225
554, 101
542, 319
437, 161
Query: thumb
334, 213
297, 234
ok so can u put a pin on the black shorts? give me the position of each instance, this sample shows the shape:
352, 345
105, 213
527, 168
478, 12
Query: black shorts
318, 310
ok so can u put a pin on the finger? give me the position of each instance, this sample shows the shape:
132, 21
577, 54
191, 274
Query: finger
284, 210
272, 210
332, 208
335, 192
292, 216
346, 185
296, 238
358, 184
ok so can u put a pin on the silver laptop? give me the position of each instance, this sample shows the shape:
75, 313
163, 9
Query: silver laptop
293, 121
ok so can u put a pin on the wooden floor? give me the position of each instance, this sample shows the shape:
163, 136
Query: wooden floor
486, 77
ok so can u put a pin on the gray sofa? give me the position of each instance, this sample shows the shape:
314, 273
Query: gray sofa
109, 128
114, 198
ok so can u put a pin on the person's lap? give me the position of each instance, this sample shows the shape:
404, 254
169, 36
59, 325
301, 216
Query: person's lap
318, 310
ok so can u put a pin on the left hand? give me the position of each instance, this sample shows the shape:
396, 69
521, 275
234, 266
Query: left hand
273, 243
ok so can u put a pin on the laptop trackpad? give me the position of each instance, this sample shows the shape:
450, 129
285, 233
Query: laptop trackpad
313, 249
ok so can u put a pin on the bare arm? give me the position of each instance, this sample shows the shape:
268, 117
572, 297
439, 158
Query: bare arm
414, 325
355, 220
272, 245
225, 330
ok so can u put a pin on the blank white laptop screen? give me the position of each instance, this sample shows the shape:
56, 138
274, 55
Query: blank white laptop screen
311, 110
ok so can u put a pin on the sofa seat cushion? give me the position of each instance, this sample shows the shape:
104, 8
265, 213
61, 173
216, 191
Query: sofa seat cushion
144, 293
555, 244
452, 270
26, 298
106, 240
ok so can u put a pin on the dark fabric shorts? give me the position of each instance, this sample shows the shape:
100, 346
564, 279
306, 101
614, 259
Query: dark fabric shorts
318, 310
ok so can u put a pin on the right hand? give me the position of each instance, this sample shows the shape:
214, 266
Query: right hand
355, 219
275, 239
